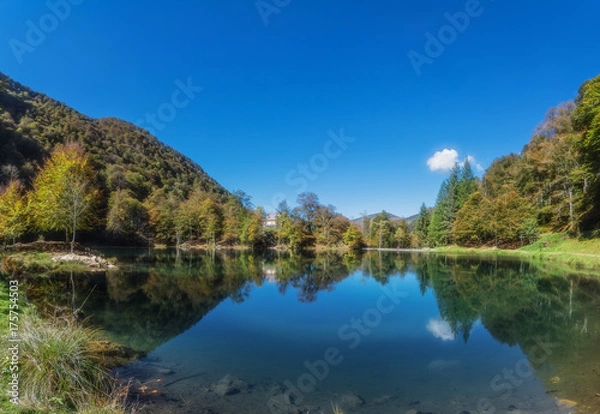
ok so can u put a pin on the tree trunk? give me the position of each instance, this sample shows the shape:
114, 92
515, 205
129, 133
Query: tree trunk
74, 233
73, 239
571, 213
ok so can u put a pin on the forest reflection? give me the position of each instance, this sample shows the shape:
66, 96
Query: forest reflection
157, 295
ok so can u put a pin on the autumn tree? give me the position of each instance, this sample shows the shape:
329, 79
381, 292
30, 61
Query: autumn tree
234, 213
64, 192
586, 121
339, 226
289, 231
211, 221
323, 224
511, 212
14, 212
506, 220
163, 212
308, 204
127, 217
474, 225
353, 238
403, 235
382, 231
252, 229
503, 171
189, 216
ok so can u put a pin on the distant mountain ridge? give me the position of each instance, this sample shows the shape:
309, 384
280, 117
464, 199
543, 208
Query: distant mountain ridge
32, 124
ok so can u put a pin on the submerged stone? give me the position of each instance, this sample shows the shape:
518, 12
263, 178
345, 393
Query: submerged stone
384, 399
351, 401
228, 385
564, 403
280, 404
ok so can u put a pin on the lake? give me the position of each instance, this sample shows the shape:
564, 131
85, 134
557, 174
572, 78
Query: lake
380, 333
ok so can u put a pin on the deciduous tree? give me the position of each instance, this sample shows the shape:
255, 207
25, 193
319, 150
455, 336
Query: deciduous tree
14, 212
64, 192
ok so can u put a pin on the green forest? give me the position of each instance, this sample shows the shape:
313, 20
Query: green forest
553, 186
62, 173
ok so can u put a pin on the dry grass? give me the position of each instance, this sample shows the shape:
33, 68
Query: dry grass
58, 370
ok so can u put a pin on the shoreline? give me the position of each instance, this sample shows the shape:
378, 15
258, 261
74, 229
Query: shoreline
556, 262
42, 258
566, 255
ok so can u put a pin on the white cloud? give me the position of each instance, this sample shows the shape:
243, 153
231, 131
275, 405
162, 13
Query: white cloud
440, 329
446, 160
443, 160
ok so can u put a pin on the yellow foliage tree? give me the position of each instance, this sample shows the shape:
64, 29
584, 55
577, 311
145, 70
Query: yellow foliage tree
64, 192
14, 212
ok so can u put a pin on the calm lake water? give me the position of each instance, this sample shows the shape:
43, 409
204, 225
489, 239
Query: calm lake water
381, 333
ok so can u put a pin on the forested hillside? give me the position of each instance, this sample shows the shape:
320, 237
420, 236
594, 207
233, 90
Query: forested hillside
32, 124
138, 183
62, 172
552, 186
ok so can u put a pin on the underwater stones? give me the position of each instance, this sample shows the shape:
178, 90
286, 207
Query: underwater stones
164, 371
563, 403
384, 399
280, 404
228, 385
113, 354
349, 401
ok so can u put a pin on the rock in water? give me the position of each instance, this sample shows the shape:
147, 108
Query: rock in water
228, 385
563, 403
349, 401
280, 404
383, 399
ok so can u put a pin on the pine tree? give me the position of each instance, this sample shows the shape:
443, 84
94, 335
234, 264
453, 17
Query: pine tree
422, 226
446, 207
467, 184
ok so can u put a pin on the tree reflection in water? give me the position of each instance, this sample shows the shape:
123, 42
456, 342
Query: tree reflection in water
155, 296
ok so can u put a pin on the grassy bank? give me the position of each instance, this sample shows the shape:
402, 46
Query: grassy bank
37, 263
46, 258
555, 252
59, 368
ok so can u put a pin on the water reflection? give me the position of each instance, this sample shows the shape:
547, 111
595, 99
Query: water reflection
156, 296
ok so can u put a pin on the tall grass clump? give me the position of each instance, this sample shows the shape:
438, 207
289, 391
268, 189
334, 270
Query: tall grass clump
58, 370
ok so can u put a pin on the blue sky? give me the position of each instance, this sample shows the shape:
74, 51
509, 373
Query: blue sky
279, 83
